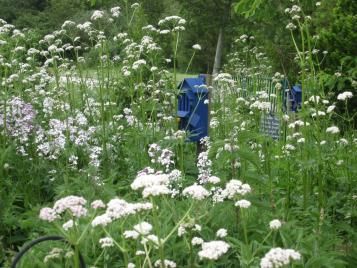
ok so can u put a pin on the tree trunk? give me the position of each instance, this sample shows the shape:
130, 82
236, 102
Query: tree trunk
218, 57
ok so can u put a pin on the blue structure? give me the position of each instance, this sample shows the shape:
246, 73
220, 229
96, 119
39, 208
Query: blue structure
192, 110
296, 97
292, 98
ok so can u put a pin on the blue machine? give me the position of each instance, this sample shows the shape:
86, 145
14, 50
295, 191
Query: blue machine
192, 109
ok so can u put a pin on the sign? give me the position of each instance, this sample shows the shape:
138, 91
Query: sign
270, 125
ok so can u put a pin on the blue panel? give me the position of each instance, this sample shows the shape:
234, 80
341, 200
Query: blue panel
183, 114
194, 120
192, 111
292, 98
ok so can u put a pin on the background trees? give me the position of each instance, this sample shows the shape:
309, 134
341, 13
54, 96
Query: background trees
334, 22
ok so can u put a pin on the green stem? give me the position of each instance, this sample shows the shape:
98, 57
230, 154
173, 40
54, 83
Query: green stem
179, 223
157, 227
76, 256
189, 64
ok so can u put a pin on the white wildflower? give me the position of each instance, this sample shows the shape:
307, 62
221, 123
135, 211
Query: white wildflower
234, 187
143, 228
197, 241
156, 190
214, 179
115, 11
67, 225
131, 265
301, 140
275, 224
333, 130
345, 95
181, 230
106, 242
97, 204
139, 253
97, 14
195, 191
291, 26
278, 257
148, 180
131, 234
48, 214
330, 109
243, 203
213, 250
221, 233
196, 47
102, 220
167, 263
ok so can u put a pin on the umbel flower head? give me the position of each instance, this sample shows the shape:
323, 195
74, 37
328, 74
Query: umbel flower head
345, 95
196, 47
195, 191
72, 204
213, 250
278, 257
333, 130
275, 224
243, 203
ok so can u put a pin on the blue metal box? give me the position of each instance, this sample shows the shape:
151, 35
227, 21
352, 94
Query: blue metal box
193, 107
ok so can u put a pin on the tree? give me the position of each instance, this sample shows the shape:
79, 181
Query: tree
207, 19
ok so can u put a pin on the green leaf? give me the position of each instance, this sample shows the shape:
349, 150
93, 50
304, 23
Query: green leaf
247, 7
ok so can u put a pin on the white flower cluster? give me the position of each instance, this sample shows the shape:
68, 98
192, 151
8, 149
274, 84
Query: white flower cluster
214, 122
119, 208
196, 241
204, 167
278, 257
115, 11
224, 78
96, 204
97, 14
138, 63
243, 203
143, 230
213, 250
167, 263
72, 204
152, 184
197, 47
173, 24
52, 141
275, 224
333, 130
298, 123
221, 233
261, 105
188, 225
236, 187
345, 95
196, 192
161, 156
106, 242
55, 253
19, 119
130, 118
68, 225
